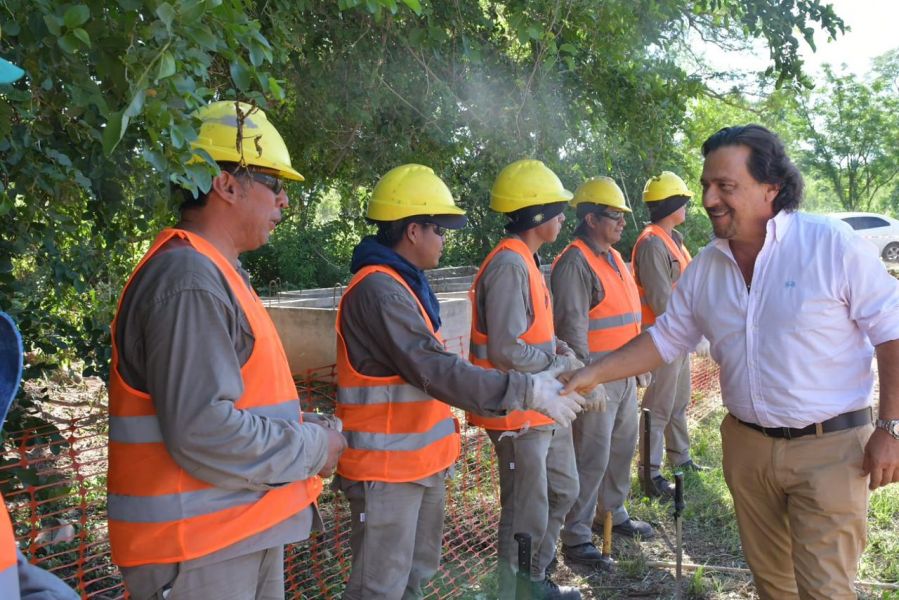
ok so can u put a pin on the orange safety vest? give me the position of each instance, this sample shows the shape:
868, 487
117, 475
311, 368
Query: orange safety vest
395, 432
540, 333
679, 253
158, 512
616, 320
9, 572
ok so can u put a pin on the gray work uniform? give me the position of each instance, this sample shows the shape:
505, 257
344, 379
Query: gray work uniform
38, 584
604, 442
183, 338
397, 527
668, 396
537, 469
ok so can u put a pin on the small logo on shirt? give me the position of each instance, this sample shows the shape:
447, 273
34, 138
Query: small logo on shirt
790, 284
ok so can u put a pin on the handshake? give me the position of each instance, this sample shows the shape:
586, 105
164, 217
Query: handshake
546, 395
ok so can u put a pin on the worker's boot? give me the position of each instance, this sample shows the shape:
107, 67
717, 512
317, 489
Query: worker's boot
548, 590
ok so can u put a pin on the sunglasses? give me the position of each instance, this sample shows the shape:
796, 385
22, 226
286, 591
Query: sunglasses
615, 216
439, 230
272, 182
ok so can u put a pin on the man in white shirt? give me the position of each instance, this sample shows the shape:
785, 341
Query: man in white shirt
795, 307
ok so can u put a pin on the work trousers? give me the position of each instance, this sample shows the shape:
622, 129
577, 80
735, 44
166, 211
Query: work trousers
258, 575
604, 444
667, 398
801, 507
538, 484
395, 537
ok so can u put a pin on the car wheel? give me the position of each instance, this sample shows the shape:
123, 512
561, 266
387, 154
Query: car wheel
891, 252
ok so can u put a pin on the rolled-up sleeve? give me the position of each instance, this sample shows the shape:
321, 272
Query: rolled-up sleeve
871, 292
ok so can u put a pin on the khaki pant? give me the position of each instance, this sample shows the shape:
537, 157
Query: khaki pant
604, 444
258, 575
801, 507
538, 484
397, 529
667, 398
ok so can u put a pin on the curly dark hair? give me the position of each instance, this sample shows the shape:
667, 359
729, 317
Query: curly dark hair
768, 161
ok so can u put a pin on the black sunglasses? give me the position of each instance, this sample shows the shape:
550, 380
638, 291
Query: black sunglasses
272, 182
440, 230
615, 216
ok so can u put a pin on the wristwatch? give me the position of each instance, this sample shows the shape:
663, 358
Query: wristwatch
891, 426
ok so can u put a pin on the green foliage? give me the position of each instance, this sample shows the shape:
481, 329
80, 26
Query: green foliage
93, 136
851, 127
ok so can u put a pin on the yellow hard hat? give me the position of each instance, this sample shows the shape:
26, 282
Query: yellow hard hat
526, 183
411, 190
665, 185
260, 143
600, 190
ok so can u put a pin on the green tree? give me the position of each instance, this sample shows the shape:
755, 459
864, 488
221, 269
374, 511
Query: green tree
851, 127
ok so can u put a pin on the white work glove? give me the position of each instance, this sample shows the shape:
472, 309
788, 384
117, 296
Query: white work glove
702, 348
545, 399
562, 363
644, 380
596, 399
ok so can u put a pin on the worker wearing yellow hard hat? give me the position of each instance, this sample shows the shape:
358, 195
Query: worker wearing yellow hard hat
512, 328
659, 258
211, 469
396, 383
596, 310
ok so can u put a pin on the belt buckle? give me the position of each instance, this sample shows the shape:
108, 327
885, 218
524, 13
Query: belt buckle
786, 433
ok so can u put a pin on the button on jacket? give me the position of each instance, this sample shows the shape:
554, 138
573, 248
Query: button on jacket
796, 347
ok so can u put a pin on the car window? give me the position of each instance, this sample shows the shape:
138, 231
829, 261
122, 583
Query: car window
865, 222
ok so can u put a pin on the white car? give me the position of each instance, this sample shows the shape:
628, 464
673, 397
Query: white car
880, 230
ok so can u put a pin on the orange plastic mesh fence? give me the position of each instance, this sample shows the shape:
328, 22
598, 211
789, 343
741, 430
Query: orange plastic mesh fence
59, 509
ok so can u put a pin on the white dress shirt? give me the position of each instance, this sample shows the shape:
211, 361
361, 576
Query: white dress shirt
796, 348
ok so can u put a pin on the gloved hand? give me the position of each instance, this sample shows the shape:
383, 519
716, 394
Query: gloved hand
597, 399
644, 380
562, 363
323, 420
702, 348
564, 349
545, 399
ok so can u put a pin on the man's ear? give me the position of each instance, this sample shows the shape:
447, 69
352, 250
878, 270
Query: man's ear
772, 192
225, 185
413, 232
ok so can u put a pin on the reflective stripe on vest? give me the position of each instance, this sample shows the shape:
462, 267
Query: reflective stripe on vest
615, 320
9, 572
540, 334
395, 432
678, 253
158, 513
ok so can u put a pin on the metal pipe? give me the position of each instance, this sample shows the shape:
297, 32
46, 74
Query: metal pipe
678, 528
649, 488
523, 586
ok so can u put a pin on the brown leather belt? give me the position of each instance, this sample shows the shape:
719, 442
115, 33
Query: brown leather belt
847, 420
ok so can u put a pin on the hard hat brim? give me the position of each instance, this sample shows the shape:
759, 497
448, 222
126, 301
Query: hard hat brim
9, 72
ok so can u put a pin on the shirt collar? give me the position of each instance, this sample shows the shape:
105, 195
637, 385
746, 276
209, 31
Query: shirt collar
592, 245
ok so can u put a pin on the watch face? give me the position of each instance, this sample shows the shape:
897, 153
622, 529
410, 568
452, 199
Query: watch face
895, 429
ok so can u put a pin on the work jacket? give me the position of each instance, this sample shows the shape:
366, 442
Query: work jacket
395, 432
616, 319
159, 513
678, 253
9, 572
541, 333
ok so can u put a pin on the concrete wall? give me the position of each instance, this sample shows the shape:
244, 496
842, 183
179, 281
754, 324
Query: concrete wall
306, 327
